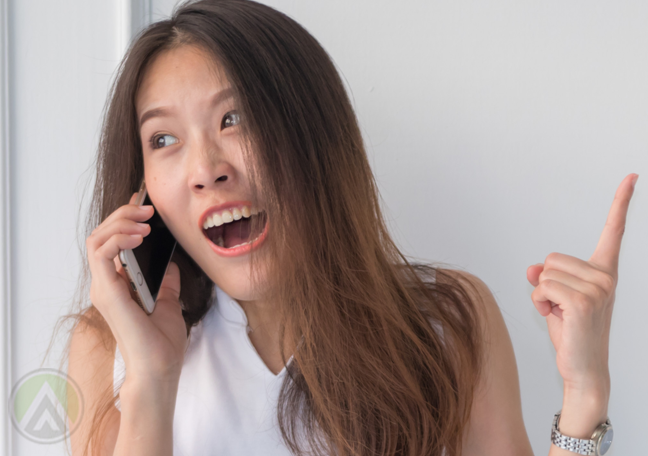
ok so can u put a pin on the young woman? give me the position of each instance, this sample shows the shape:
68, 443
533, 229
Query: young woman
321, 336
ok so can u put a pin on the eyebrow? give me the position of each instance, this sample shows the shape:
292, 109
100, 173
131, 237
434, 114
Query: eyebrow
165, 112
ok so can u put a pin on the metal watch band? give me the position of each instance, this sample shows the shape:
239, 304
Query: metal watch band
578, 446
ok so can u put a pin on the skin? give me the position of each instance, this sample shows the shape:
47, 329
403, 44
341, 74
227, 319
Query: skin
197, 165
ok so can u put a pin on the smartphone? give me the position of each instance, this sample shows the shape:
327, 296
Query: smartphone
147, 263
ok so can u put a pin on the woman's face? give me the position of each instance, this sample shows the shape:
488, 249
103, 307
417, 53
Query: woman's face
195, 160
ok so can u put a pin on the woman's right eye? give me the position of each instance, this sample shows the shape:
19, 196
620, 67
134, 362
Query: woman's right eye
157, 143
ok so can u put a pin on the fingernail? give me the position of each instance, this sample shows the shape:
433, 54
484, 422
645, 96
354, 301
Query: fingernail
146, 208
634, 181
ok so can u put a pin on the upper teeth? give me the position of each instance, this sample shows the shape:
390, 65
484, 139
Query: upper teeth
227, 216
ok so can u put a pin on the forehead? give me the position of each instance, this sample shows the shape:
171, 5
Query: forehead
177, 72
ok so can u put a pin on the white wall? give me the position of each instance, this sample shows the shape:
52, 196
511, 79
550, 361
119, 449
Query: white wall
5, 239
498, 132
62, 58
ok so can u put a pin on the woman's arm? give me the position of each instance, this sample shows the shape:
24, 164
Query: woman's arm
582, 413
146, 425
496, 426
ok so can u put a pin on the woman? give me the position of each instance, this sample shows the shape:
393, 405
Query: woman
231, 104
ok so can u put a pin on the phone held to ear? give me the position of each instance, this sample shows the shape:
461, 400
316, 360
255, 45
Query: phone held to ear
147, 263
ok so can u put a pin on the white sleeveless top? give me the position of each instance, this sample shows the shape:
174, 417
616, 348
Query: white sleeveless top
223, 372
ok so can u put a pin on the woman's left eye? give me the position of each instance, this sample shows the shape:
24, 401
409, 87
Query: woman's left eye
230, 119
157, 143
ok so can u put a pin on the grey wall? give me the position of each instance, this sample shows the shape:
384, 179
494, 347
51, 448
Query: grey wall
498, 132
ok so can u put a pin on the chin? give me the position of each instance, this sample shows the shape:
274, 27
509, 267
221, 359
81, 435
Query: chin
235, 281
232, 275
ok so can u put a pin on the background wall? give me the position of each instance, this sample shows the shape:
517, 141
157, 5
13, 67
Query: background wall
498, 132
62, 56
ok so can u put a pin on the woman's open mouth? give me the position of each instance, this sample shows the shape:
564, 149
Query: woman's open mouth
236, 237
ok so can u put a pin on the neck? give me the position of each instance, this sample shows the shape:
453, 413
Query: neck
264, 333
260, 315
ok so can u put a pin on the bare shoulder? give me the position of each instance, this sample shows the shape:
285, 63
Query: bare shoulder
491, 319
480, 293
91, 366
496, 424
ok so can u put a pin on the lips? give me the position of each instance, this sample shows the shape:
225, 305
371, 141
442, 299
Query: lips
241, 249
236, 232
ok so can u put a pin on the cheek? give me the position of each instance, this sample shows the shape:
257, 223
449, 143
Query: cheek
167, 203
162, 177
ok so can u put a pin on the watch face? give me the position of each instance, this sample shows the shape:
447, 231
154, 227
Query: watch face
606, 441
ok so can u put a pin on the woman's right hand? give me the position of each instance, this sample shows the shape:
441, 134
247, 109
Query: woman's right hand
153, 346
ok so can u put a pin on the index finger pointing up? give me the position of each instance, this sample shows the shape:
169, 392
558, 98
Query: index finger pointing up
606, 254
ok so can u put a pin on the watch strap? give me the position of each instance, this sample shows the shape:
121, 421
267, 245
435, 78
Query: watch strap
578, 446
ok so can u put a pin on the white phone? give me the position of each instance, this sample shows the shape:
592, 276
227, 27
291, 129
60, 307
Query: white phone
147, 263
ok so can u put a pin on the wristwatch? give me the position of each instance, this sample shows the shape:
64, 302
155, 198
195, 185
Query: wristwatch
598, 445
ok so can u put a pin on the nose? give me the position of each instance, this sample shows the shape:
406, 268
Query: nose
209, 170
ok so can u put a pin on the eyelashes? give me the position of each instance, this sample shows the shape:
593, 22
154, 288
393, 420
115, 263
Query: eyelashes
230, 119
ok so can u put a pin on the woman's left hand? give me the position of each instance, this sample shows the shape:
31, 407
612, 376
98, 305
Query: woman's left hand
577, 298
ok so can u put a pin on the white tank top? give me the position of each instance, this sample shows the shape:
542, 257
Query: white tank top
222, 372
227, 396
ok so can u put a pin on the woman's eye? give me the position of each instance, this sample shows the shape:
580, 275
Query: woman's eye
158, 141
230, 119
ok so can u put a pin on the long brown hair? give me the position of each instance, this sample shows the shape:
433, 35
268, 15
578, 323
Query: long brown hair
390, 348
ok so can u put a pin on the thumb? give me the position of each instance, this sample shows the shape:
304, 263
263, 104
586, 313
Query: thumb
533, 273
170, 288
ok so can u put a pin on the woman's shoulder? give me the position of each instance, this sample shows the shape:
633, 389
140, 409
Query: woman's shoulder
475, 287
481, 301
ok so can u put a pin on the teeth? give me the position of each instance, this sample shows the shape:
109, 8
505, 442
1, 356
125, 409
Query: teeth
215, 220
228, 216
221, 242
245, 243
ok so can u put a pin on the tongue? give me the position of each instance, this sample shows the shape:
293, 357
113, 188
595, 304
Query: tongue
236, 232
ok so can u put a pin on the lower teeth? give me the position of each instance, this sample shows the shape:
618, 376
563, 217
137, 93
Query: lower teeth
221, 243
